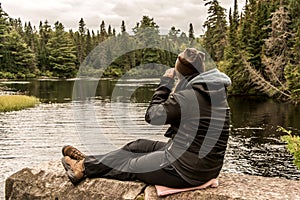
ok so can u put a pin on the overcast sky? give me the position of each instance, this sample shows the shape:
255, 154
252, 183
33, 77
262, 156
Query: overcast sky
178, 13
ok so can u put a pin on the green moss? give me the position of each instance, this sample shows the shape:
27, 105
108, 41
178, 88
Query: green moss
140, 197
16, 102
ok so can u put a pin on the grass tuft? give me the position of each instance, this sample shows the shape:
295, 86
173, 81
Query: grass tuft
16, 102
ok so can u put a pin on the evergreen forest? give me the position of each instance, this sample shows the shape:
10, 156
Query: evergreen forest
258, 48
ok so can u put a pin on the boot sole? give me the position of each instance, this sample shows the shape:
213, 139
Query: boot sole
70, 172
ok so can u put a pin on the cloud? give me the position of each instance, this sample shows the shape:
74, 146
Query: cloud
166, 14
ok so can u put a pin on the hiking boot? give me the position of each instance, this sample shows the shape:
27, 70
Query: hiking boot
74, 168
72, 152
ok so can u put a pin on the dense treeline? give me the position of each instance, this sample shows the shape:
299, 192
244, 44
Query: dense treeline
50, 51
258, 48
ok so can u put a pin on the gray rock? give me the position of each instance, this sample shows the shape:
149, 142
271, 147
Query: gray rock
49, 181
239, 186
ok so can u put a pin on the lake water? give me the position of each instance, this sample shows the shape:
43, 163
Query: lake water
99, 124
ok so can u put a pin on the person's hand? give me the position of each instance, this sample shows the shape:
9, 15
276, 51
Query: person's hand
170, 73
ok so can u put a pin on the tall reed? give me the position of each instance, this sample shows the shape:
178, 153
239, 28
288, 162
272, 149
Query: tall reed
16, 102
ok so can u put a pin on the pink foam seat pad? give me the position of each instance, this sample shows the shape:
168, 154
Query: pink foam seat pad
163, 191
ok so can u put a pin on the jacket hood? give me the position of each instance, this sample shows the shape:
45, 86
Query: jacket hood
213, 76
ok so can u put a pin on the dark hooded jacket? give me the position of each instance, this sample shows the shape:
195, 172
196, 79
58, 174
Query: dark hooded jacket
199, 118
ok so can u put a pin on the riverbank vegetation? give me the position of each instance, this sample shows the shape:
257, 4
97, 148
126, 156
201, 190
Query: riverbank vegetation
16, 102
293, 144
258, 48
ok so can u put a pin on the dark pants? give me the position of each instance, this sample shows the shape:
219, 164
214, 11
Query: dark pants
143, 160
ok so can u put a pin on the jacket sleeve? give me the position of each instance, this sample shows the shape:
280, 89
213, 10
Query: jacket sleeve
163, 108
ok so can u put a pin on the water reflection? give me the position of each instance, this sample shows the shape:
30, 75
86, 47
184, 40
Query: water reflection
61, 91
246, 111
263, 112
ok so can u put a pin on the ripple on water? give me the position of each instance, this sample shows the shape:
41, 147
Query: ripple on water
35, 135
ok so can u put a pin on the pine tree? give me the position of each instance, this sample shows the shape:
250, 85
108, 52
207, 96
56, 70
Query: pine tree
245, 27
62, 53
17, 25
234, 53
80, 41
42, 54
232, 30
30, 37
4, 28
292, 70
123, 27
103, 33
260, 14
18, 59
296, 48
174, 33
146, 23
15, 56
125, 62
278, 74
216, 26
95, 39
89, 43
292, 76
183, 40
172, 45
294, 10
147, 33
82, 27
191, 32
276, 48
233, 47
109, 31
235, 16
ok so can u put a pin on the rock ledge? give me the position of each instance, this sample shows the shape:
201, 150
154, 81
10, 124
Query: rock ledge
49, 181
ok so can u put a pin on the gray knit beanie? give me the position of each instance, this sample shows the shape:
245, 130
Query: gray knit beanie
191, 61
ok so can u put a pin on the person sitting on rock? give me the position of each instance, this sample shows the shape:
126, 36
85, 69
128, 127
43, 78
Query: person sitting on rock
199, 117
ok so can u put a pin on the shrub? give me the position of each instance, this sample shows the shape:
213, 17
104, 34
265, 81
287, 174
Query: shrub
30, 75
7, 75
16, 102
20, 75
293, 144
